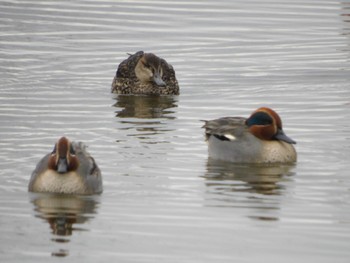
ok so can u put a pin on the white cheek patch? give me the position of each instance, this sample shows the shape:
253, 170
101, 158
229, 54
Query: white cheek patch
230, 137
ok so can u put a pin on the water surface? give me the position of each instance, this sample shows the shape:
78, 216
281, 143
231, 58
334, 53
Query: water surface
163, 200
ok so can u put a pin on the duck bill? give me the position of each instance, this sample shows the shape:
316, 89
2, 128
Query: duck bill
158, 80
62, 165
281, 136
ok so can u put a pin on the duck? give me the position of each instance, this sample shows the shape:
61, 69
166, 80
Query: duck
68, 169
257, 139
147, 74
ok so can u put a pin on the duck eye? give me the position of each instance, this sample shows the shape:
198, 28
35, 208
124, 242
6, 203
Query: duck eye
265, 120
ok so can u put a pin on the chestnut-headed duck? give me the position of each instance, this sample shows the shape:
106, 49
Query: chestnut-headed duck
68, 169
257, 139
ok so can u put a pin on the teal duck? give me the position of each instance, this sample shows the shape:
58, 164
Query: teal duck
145, 73
68, 169
257, 139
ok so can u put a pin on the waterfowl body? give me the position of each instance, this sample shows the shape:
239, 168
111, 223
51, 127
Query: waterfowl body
258, 139
69, 169
145, 73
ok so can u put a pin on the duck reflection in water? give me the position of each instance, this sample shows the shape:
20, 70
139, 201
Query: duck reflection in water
253, 178
145, 107
62, 212
256, 187
148, 115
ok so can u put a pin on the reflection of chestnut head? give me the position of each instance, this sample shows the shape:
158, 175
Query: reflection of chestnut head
63, 211
63, 225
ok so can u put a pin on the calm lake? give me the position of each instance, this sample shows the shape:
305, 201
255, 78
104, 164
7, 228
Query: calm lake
163, 200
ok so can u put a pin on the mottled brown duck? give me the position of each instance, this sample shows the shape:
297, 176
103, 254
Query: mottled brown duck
145, 73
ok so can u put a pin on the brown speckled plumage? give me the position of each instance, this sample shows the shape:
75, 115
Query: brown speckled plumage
126, 82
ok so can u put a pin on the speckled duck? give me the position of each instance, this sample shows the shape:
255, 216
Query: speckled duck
145, 73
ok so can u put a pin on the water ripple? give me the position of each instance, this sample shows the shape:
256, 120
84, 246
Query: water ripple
163, 200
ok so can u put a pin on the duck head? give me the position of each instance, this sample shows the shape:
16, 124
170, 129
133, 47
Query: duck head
63, 158
149, 69
266, 124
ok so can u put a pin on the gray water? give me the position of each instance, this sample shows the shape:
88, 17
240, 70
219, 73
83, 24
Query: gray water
163, 200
